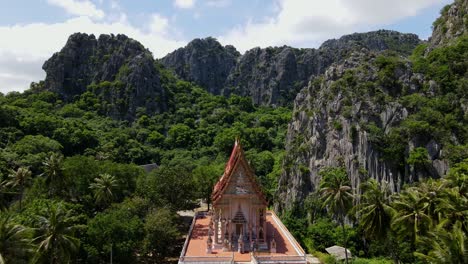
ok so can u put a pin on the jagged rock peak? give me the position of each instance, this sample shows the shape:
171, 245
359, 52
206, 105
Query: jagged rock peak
452, 23
116, 68
203, 61
375, 40
273, 75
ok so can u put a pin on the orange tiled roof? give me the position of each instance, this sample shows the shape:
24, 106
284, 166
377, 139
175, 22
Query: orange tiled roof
237, 156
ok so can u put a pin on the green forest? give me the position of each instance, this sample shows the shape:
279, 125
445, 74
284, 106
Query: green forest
72, 188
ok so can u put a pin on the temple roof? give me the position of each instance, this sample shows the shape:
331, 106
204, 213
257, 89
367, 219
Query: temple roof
237, 158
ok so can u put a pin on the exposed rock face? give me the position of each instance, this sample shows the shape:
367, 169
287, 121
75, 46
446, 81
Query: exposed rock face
354, 114
203, 61
272, 76
127, 67
452, 23
334, 123
375, 41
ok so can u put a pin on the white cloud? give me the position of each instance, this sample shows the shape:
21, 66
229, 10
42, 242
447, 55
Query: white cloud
313, 21
218, 3
159, 24
24, 48
17, 72
184, 3
79, 8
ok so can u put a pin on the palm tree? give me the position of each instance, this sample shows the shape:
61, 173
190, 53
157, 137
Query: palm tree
454, 207
336, 196
56, 242
15, 244
374, 211
447, 246
53, 168
433, 192
458, 177
103, 187
3, 199
19, 178
411, 215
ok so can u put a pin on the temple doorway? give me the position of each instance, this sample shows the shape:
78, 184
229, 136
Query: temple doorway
238, 229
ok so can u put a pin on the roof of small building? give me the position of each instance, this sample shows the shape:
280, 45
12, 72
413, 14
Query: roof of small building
338, 252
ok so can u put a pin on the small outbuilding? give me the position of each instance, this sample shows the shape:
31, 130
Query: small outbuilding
338, 252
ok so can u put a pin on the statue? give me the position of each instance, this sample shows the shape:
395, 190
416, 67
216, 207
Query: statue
226, 245
273, 245
209, 245
240, 242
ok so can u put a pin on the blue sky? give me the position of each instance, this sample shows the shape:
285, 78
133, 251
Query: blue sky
32, 30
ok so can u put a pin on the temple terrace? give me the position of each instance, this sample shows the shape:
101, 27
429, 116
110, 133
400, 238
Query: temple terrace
238, 228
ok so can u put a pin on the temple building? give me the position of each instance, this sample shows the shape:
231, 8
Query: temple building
239, 228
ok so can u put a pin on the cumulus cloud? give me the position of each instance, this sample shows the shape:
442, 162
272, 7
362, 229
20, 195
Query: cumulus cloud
79, 8
218, 3
159, 24
312, 21
184, 3
21, 61
17, 72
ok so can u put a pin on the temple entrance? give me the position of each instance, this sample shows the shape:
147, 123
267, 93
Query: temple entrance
238, 229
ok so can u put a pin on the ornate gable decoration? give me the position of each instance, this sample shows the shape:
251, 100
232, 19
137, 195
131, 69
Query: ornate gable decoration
245, 180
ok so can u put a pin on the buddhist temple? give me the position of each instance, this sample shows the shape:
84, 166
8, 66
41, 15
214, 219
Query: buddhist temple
239, 228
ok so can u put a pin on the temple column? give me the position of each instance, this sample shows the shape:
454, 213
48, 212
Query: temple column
264, 227
216, 224
229, 228
223, 228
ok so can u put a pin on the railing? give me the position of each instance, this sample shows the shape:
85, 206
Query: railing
291, 239
278, 259
184, 249
213, 260
252, 257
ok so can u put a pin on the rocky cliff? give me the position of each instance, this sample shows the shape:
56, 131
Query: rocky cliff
379, 115
452, 23
274, 75
203, 61
115, 68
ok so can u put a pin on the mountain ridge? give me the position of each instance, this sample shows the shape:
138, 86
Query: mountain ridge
270, 76
274, 75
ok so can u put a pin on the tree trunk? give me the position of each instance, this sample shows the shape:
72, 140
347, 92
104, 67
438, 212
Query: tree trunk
21, 197
345, 241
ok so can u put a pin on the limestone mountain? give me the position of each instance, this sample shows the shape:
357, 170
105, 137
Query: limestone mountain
274, 75
203, 61
452, 23
118, 69
382, 115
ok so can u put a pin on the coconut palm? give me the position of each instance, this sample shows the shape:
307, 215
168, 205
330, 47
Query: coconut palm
56, 241
447, 246
3, 198
53, 171
336, 195
374, 211
19, 179
453, 207
458, 177
411, 215
103, 188
14, 241
433, 192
